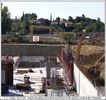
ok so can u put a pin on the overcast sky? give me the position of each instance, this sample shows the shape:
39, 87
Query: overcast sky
58, 9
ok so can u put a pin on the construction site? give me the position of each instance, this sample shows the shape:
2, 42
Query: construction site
52, 49
53, 70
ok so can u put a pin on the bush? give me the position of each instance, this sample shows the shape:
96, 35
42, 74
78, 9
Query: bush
39, 29
13, 40
69, 37
15, 35
78, 29
5, 41
20, 39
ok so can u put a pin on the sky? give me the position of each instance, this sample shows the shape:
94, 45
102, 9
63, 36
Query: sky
57, 9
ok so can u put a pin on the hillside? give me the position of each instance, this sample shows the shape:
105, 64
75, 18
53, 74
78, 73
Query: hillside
91, 58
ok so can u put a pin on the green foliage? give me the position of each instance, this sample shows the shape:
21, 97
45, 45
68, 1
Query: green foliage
26, 19
100, 27
83, 17
69, 28
97, 27
78, 29
80, 23
6, 21
26, 24
88, 19
39, 29
68, 36
70, 19
28, 16
17, 26
78, 19
90, 27
58, 20
20, 40
33, 16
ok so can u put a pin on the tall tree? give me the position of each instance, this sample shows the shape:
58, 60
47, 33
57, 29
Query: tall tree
33, 16
83, 17
26, 22
6, 20
78, 19
70, 19
22, 18
58, 20
26, 19
98, 19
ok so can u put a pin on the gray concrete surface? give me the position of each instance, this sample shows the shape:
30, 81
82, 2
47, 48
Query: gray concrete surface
30, 49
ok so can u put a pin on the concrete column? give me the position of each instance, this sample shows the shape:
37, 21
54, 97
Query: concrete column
7, 66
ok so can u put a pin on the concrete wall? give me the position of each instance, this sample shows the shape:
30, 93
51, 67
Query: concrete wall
29, 64
31, 49
48, 68
84, 86
77, 79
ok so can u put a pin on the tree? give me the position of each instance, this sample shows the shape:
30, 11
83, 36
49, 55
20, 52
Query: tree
29, 16
26, 24
6, 20
100, 27
93, 20
90, 28
97, 27
33, 16
78, 19
26, 20
98, 19
22, 18
17, 26
68, 36
88, 20
70, 19
62, 26
69, 28
78, 29
58, 20
83, 17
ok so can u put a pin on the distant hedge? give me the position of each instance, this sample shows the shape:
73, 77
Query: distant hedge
39, 29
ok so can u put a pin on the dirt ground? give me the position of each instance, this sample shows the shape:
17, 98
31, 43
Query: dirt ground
93, 57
